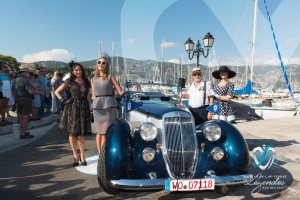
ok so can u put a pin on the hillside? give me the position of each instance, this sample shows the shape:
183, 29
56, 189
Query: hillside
149, 70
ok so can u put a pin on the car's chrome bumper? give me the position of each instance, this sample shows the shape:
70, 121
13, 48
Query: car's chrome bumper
231, 180
160, 183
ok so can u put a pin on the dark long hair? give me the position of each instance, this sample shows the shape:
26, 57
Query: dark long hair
72, 65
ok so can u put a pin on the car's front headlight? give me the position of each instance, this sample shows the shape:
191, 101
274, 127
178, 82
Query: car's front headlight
148, 154
212, 132
148, 131
217, 153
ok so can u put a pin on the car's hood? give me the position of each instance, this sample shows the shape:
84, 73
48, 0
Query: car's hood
157, 109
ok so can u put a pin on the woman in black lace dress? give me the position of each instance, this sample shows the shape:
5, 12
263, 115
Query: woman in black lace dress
75, 118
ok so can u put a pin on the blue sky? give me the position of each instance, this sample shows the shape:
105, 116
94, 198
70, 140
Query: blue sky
62, 30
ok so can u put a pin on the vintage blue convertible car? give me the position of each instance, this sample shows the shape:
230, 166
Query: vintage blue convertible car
157, 146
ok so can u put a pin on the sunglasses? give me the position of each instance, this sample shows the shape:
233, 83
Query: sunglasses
197, 74
103, 63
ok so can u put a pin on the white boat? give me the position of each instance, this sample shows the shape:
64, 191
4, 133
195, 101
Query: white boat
269, 93
270, 105
271, 108
276, 108
273, 113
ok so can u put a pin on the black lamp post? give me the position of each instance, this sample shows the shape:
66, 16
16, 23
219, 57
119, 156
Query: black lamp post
208, 42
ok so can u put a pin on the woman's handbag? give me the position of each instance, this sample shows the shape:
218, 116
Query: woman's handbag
92, 117
69, 101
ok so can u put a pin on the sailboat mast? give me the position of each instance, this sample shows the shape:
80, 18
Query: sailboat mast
246, 71
161, 61
253, 39
181, 65
100, 49
112, 57
209, 65
174, 66
118, 68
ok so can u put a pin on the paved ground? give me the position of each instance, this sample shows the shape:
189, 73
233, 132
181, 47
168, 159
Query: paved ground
41, 168
284, 135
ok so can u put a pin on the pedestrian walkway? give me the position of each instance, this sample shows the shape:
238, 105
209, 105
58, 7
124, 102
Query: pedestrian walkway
8, 142
36, 128
8, 129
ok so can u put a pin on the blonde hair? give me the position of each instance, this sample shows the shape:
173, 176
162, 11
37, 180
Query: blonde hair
106, 71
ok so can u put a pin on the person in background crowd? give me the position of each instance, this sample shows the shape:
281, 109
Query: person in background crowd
200, 96
48, 97
11, 101
36, 98
104, 103
138, 88
5, 91
42, 79
224, 92
59, 105
54, 87
13, 75
75, 118
23, 91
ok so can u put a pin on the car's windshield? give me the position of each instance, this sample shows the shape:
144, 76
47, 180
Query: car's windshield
151, 90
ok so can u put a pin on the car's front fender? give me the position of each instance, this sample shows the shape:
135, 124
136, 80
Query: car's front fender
117, 148
236, 153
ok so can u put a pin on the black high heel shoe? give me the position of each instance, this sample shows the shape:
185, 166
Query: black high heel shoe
83, 163
76, 162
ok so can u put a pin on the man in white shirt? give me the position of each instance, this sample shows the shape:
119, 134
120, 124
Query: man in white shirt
200, 96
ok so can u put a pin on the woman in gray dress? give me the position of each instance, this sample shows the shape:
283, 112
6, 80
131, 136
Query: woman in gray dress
104, 102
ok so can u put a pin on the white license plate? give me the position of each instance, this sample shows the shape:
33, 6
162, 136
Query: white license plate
190, 185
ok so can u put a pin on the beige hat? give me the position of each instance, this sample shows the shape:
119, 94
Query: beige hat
196, 69
25, 70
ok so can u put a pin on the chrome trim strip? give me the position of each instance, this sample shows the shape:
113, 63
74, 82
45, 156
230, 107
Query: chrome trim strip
174, 142
160, 183
139, 183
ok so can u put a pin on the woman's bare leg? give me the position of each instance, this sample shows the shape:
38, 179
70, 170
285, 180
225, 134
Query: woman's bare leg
81, 143
98, 142
72, 141
103, 139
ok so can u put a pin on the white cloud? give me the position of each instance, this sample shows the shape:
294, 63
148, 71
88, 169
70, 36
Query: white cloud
130, 40
293, 60
261, 60
274, 60
166, 45
54, 54
174, 60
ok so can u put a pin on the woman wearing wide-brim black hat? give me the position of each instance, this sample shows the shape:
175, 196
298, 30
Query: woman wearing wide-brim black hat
216, 74
224, 89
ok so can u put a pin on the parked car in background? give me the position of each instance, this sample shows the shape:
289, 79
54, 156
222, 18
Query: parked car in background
155, 145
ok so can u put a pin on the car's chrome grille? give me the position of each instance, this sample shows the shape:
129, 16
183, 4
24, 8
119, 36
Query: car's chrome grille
179, 144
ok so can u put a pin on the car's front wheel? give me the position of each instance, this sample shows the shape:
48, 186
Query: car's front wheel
102, 175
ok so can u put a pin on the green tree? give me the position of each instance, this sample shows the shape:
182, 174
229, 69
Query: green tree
12, 61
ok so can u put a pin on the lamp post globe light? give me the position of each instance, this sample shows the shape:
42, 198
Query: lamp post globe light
208, 42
